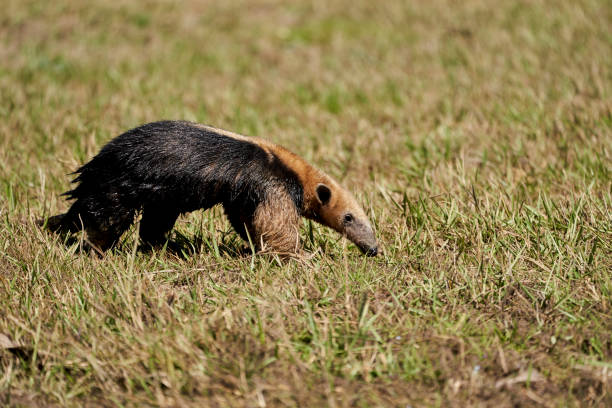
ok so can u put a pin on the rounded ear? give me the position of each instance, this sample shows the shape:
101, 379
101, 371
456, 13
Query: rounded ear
323, 194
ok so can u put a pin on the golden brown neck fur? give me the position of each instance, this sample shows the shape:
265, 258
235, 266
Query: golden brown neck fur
308, 175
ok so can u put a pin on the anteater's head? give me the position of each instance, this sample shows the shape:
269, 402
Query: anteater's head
338, 209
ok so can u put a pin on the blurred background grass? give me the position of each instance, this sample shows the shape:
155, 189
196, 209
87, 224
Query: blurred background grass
477, 134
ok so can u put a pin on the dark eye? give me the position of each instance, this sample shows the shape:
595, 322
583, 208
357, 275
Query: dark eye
348, 218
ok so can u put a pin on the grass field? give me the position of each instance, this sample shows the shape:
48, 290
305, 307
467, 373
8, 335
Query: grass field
477, 135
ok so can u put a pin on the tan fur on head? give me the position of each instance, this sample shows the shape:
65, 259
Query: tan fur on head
338, 209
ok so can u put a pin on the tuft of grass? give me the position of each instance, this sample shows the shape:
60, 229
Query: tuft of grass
477, 137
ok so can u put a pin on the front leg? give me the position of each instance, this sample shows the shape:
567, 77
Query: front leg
275, 226
272, 227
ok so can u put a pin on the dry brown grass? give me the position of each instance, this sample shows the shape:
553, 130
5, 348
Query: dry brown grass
477, 134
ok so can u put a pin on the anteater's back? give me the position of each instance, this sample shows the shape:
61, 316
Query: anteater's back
178, 161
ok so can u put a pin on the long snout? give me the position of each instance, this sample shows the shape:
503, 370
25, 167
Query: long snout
369, 250
363, 236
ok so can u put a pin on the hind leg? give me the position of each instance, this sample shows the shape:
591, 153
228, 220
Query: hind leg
101, 239
104, 232
68, 222
104, 217
155, 224
55, 223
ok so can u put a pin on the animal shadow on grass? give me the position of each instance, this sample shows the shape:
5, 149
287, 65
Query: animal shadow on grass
177, 244
183, 246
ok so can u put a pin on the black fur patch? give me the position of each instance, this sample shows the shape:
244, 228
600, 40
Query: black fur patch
173, 167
